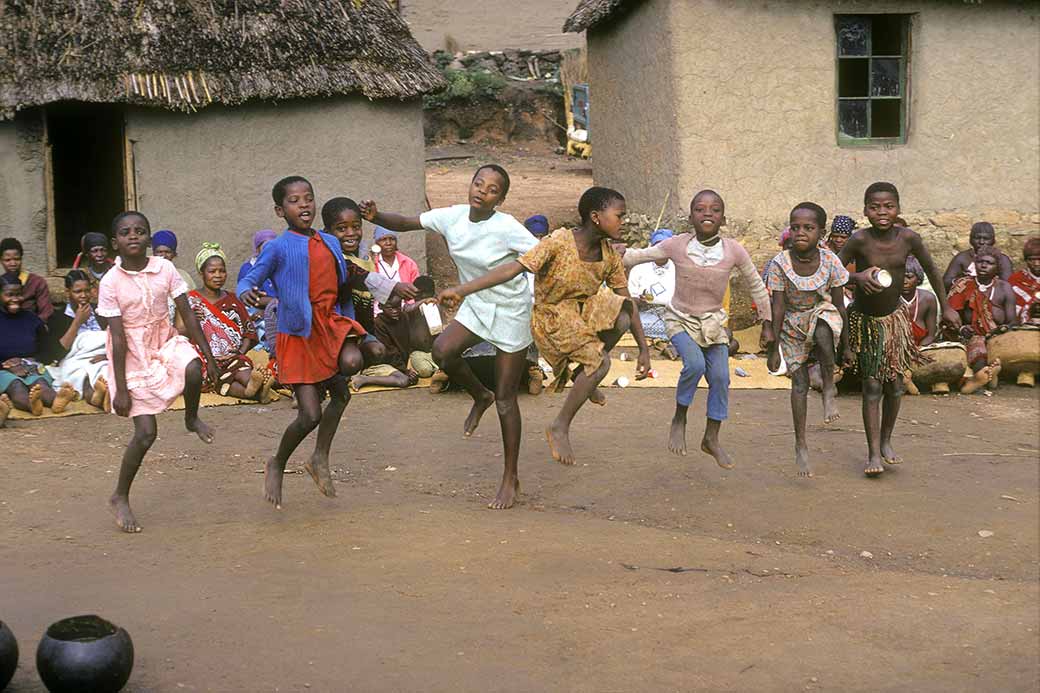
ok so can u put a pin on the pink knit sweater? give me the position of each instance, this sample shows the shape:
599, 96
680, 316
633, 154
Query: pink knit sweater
700, 289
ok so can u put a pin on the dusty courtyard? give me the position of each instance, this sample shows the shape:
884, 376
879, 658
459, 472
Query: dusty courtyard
633, 571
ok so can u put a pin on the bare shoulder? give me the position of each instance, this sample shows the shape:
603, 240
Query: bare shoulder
927, 298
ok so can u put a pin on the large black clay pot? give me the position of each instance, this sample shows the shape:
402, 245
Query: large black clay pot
85, 653
8, 655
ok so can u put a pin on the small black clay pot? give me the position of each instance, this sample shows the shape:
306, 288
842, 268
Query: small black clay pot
8, 655
85, 653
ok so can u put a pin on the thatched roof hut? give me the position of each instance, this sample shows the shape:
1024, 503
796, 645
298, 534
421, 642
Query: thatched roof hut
185, 54
588, 13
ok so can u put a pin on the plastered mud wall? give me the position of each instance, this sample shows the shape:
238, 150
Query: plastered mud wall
23, 204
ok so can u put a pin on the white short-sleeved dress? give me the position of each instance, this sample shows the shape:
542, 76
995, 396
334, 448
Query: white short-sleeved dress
500, 315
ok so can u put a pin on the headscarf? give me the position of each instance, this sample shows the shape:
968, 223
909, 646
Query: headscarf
209, 250
261, 237
380, 232
843, 225
660, 235
166, 238
537, 224
785, 236
914, 268
93, 239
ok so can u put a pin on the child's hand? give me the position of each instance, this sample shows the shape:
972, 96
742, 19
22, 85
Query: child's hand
450, 298
252, 297
200, 313
82, 314
405, 290
121, 403
643, 364
773, 359
213, 374
952, 318
368, 209
768, 336
868, 282
848, 357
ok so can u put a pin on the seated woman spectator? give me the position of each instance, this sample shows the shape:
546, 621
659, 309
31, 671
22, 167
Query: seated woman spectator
260, 238
164, 245
652, 285
94, 257
389, 261
24, 383
76, 341
1026, 284
923, 306
36, 297
228, 329
963, 264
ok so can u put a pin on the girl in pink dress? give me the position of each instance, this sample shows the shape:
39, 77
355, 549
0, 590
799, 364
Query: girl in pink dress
150, 365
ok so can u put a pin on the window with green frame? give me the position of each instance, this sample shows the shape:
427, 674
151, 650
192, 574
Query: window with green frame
872, 57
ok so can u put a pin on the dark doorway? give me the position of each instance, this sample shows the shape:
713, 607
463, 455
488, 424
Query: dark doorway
87, 163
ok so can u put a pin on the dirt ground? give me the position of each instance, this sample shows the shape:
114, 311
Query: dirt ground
633, 571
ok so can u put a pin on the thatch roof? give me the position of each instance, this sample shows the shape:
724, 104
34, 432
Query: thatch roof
185, 54
589, 13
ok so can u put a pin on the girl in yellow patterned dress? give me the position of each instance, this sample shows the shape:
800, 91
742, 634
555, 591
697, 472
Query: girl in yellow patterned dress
576, 319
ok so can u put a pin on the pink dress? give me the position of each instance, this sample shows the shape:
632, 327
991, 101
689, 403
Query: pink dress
156, 355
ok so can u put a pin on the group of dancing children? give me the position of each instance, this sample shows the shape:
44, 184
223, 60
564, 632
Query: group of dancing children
581, 308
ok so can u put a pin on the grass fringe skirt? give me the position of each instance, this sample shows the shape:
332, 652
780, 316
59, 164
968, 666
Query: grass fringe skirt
884, 346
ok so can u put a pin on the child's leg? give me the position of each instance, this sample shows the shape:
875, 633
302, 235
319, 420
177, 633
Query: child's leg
689, 378
447, 353
318, 466
350, 359
192, 393
395, 379
799, 402
889, 413
585, 385
716, 369
824, 338
373, 352
144, 435
308, 415
508, 370
872, 425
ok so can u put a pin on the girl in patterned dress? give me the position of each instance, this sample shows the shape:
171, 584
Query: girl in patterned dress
808, 302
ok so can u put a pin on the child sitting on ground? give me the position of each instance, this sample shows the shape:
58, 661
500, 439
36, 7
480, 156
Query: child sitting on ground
76, 340
808, 305
36, 297
228, 329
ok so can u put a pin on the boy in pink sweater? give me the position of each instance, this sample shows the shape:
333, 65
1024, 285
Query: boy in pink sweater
694, 318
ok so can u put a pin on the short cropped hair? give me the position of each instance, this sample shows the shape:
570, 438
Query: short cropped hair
596, 199
278, 191
331, 210
1032, 247
820, 212
982, 227
129, 213
424, 283
76, 275
880, 187
707, 191
988, 251
11, 244
497, 169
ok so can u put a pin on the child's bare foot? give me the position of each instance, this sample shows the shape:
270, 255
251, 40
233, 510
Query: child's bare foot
65, 394
597, 397
480, 405
35, 403
713, 448
120, 507
874, 467
677, 437
559, 440
507, 493
318, 468
5, 409
801, 458
888, 453
256, 381
97, 399
201, 429
830, 405
273, 474
976, 381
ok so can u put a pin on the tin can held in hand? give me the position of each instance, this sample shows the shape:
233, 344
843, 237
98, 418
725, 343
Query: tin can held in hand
883, 277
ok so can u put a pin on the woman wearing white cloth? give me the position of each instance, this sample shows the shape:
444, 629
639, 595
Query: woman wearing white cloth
77, 342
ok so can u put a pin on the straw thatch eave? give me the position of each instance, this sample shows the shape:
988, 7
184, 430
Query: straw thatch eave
185, 54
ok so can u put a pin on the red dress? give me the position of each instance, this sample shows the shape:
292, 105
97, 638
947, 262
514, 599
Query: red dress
315, 358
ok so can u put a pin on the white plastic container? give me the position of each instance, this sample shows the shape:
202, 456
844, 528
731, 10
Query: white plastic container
433, 318
883, 277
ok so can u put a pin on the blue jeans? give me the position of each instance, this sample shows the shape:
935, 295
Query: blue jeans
698, 361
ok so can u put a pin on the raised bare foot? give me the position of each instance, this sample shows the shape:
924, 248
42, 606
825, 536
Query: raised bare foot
715, 450
874, 467
5, 409
677, 437
35, 403
830, 406
65, 394
201, 429
318, 468
97, 399
597, 397
273, 474
507, 494
888, 453
120, 507
559, 440
480, 405
976, 381
256, 381
801, 458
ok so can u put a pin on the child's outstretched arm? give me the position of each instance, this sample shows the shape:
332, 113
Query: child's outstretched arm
918, 250
121, 399
759, 295
388, 220
636, 327
194, 333
637, 256
248, 288
501, 274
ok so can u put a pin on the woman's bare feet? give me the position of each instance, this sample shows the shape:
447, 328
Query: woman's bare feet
318, 468
908, 384
801, 458
120, 507
273, 475
264, 395
559, 441
830, 406
201, 429
480, 405
597, 397
508, 493
35, 403
994, 373
976, 381
5, 409
65, 394
97, 398
677, 436
256, 381
874, 467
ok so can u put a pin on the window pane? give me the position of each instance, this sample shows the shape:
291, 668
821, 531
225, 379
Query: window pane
887, 34
886, 77
853, 35
852, 118
884, 121
852, 77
